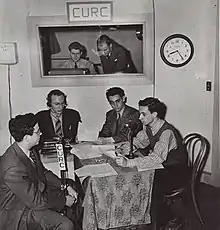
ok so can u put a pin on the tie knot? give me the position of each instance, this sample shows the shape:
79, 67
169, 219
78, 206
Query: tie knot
33, 157
58, 120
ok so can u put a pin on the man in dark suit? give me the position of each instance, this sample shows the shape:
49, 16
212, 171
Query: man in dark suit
31, 197
115, 128
58, 120
114, 57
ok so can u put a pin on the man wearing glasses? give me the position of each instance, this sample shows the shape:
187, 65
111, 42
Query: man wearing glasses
30, 195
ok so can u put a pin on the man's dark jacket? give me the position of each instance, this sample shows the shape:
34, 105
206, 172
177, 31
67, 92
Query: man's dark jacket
70, 123
24, 188
130, 116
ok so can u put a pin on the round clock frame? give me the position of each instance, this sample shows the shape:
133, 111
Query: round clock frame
185, 50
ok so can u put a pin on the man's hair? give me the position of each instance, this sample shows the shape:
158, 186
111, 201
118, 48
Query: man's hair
114, 91
55, 92
154, 105
76, 46
104, 39
22, 125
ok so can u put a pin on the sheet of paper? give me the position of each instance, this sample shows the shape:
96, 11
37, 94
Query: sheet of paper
104, 147
84, 150
98, 170
151, 167
108, 152
85, 134
54, 167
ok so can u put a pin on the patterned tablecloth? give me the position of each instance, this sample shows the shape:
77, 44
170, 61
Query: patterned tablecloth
118, 200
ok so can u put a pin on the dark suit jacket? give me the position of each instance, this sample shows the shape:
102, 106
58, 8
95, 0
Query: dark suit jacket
120, 60
129, 115
70, 123
23, 189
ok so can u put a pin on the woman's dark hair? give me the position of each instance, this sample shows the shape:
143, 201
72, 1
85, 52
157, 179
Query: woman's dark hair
56, 92
22, 125
154, 105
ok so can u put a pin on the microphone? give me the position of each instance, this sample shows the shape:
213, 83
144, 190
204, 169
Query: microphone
131, 125
62, 166
61, 156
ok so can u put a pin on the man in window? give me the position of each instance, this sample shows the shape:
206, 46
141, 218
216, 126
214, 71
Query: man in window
78, 58
114, 57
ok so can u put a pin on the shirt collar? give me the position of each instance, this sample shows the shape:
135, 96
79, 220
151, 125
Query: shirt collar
54, 115
156, 126
121, 112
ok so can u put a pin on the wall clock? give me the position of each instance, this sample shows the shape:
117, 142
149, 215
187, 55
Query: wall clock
177, 50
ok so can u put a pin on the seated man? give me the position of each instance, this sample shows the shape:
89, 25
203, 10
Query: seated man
77, 59
159, 142
114, 57
115, 128
30, 195
58, 120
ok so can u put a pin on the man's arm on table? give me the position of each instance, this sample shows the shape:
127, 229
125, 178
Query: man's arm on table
166, 143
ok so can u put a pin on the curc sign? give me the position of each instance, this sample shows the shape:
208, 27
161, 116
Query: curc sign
89, 11
60, 157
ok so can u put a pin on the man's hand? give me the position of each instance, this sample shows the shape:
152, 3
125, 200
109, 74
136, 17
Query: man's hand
72, 192
121, 161
70, 200
123, 149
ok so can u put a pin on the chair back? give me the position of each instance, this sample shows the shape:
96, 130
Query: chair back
197, 147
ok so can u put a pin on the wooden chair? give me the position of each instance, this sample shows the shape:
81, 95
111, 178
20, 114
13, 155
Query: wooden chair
198, 149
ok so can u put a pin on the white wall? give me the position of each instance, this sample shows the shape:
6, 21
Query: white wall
190, 106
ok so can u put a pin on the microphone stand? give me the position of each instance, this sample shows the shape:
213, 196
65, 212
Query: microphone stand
130, 138
61, 154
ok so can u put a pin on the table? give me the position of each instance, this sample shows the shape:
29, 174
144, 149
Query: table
117, 200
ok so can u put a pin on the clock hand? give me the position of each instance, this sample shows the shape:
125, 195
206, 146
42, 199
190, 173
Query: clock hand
174, 52
180, 55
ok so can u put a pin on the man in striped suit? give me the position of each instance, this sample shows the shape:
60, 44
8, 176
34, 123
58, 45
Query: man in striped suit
58, 120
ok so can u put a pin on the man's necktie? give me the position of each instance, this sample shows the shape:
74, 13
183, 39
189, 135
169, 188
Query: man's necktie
117, 123
58, 128
76, 66
33, 157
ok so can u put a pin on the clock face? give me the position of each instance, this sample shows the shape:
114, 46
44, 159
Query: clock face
177, 50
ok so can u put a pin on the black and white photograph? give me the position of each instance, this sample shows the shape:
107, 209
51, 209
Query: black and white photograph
109, 115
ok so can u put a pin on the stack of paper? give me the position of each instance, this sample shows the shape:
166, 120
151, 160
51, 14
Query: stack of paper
85, 151
98, 170
108, 152
54, 167
104, 147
